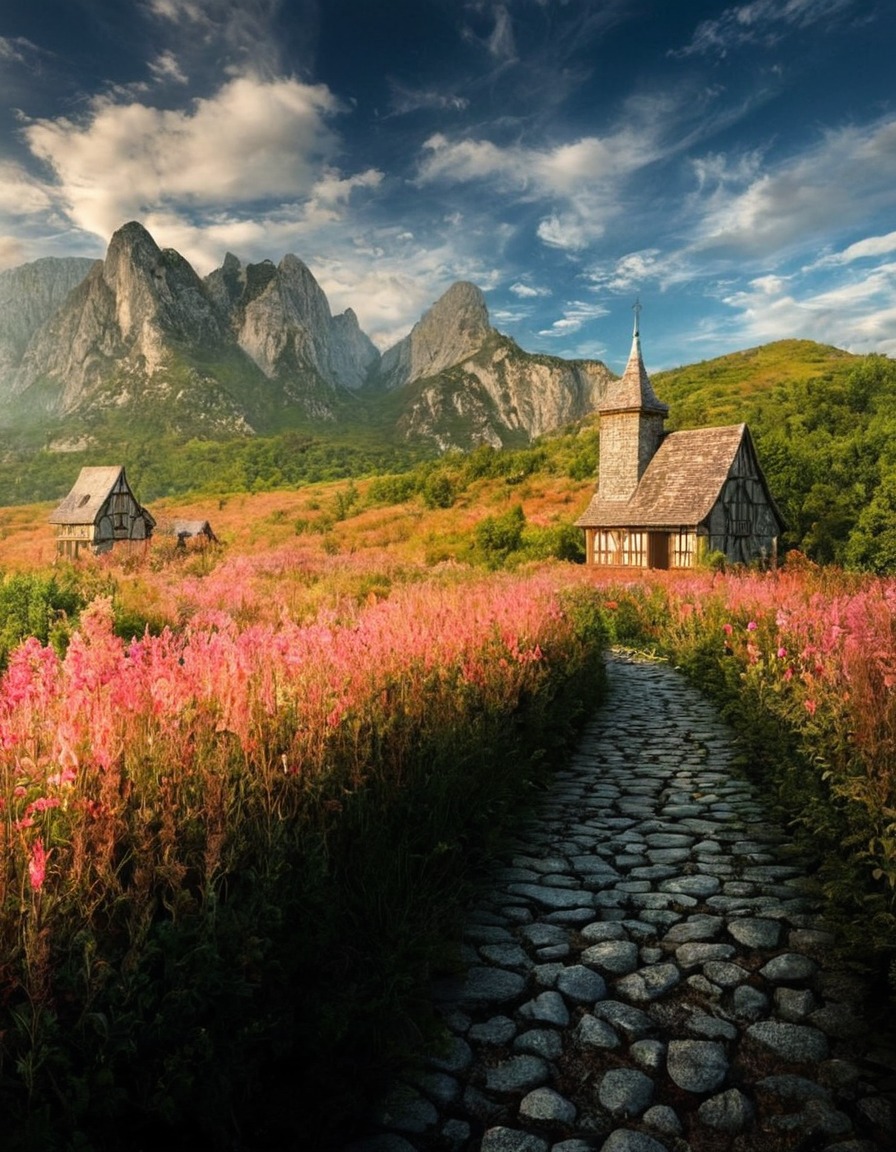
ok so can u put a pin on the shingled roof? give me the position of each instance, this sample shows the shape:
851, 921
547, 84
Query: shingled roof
680, 485
91, 490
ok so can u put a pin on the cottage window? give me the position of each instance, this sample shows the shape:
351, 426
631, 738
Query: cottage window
682, 549
634, 549
605, 547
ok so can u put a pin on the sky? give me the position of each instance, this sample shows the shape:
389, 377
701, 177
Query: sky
730, 165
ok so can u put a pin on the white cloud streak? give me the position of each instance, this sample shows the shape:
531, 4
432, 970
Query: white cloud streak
759, 22
829, 189
580, 179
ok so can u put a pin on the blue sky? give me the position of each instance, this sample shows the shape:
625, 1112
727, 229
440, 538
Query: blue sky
734, 165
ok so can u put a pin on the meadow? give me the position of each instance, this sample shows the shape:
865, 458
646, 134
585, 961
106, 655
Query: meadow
244, 793
247, 789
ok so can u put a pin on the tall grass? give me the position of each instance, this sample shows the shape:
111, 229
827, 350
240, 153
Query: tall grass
227, 849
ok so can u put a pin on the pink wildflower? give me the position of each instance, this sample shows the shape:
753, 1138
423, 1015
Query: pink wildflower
782, 652
752, 626
727, 629
810, 706
37, 865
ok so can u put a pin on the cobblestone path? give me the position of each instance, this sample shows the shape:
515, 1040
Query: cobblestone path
647, 972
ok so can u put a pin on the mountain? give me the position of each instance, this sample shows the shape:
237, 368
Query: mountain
456, 381
29, 296
281, 318
139, 344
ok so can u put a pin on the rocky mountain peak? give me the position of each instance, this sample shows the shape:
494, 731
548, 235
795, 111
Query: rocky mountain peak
455, 327
256, 346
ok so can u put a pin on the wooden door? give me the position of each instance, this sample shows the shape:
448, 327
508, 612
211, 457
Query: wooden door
658, 550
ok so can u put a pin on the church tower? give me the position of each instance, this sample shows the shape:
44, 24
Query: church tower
631, 426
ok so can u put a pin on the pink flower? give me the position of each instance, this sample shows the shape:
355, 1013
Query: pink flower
782, 652
727, 629
810, 706
752, 626
37, 865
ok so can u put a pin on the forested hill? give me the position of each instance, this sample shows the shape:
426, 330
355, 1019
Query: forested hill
824, 422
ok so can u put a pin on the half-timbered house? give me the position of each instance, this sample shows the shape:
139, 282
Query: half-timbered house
100, 511
665, 498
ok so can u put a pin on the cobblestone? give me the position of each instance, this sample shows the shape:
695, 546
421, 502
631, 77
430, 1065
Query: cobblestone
647, 973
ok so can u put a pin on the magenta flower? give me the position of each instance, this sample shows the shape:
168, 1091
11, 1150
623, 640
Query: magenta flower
752, 626
37, 865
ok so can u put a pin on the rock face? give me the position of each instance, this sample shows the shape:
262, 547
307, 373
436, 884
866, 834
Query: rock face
280, 316
29, 296
140, 337
455, 327
464, 383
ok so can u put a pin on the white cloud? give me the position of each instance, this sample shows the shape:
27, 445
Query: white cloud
246, 30
253, 141
527, 292
166, 68
582, 180
501, 43
16, 49
12, 252
576, 313
868, 248
856, 313
634, 270
759, 21
836, 186
20, 194
405, 100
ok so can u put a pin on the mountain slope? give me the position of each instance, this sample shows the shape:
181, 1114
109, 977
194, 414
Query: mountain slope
29, 296
142, 346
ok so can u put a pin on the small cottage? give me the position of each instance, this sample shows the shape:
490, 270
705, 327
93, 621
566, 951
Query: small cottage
665, 498
197, 530
100, 511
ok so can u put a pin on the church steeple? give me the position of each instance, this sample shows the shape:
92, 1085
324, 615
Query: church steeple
631, 425
634, 390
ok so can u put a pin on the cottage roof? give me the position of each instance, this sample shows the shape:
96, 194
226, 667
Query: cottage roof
680, 485
633, 391
187, 528
90, 492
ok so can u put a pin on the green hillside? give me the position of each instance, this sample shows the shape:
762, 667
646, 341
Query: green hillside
824, 422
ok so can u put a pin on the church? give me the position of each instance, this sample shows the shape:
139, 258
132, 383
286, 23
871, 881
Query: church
663, 499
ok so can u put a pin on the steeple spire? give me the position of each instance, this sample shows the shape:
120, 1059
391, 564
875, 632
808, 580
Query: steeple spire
634, 390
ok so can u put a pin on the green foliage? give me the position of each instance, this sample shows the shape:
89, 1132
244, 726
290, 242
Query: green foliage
438, 490
824, 423
496, 537
555, 541
37, 605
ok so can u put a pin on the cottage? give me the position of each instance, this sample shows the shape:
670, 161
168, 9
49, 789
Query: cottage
184, 530
100, 511
664, 498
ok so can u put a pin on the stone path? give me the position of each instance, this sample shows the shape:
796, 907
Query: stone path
647, 972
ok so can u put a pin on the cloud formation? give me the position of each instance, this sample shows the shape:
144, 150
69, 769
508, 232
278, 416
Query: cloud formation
252, 141
762, 22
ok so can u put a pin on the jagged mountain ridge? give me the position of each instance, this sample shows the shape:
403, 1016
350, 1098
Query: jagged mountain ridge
250, 348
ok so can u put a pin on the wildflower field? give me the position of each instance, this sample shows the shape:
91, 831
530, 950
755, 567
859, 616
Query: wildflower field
245, 791
233, 844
